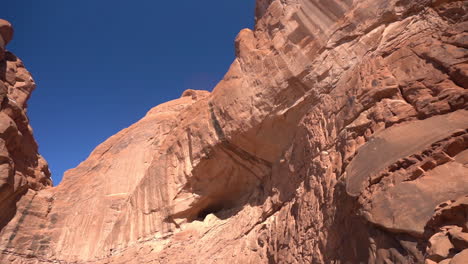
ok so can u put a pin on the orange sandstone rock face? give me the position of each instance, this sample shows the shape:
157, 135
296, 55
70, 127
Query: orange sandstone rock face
21, 167
338, 135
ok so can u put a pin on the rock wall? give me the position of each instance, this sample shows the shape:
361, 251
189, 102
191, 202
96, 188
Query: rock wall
21, 167
338, 135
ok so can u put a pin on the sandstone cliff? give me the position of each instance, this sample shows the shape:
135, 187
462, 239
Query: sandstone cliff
21, 167
338, 135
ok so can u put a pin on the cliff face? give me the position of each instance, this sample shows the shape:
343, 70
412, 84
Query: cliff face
338, 135
21, 167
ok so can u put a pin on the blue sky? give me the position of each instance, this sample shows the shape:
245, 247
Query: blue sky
101, 65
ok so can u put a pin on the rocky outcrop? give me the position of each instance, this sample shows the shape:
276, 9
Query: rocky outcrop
338, 135
21, 167
6, 34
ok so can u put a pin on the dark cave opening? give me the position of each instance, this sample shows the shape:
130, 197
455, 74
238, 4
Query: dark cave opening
210, 209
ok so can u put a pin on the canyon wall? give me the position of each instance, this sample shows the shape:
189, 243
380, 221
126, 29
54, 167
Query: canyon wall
338, 135
21, 167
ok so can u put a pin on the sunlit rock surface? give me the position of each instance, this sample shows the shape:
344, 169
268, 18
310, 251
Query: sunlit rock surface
338, 135
22, 169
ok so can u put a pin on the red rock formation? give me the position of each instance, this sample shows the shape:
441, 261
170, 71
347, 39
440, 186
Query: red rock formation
338, 135
21, 167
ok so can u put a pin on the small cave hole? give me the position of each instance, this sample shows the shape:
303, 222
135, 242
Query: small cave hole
211, 209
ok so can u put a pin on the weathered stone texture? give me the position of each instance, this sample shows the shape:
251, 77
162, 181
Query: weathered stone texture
21, 167
338, 135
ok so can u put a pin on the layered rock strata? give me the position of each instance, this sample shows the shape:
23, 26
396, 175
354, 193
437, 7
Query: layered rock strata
338, 135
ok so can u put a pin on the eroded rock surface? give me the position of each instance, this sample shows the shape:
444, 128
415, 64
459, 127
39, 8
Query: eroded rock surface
21, 167
338, 135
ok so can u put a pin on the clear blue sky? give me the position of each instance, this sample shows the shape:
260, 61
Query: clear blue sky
100, 65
